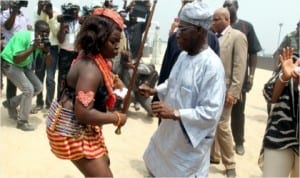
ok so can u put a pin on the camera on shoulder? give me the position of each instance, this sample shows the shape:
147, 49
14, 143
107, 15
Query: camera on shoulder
140, 9
86, 11
45, 40
18, 4
47, 5
69, 12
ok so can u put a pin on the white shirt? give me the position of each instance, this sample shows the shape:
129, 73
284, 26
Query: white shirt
53, 24
21, 23
70, 37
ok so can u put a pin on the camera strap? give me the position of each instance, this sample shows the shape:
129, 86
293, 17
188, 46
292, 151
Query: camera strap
72, 26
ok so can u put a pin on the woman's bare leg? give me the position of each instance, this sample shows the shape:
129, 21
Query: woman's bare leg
98, 167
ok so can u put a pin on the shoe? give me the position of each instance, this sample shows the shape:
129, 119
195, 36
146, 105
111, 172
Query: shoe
150, 115
12, 111
239, 149
230, 173
47, 107
214, 161
25, 126
36, 109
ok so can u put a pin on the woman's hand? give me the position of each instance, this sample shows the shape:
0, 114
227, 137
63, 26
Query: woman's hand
288, 65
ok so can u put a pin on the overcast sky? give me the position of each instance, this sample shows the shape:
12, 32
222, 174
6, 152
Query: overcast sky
265, 15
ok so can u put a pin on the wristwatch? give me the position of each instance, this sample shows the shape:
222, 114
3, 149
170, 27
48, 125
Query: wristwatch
176, 114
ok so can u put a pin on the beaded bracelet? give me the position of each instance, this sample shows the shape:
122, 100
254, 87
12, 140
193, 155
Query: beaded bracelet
118, 123
281, 80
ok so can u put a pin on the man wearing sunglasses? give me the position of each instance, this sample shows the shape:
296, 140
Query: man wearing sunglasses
191, 102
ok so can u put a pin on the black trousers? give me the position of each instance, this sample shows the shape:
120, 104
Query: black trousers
65, 60
238, 120
41, 69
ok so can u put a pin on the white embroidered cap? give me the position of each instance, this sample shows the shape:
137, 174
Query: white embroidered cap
196, 13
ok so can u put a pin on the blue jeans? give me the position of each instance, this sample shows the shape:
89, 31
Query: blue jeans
40, 69
29, 84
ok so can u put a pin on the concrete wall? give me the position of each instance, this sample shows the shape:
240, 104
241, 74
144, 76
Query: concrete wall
265, 62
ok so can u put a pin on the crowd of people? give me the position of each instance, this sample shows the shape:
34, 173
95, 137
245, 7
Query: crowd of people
200, 98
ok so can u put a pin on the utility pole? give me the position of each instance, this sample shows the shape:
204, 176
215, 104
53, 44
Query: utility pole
280, 26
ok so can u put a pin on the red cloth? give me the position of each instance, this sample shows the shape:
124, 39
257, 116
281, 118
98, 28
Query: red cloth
113, 15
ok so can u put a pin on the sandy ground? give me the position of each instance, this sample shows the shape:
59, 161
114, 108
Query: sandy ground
28, 155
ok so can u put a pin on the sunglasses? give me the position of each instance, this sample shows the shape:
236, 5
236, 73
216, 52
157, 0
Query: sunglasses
185, 28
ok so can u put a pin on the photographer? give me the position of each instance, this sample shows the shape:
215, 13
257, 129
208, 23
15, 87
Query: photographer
134, 27
13, 20
17, 58
4, 6
134, 30
45, 12
108, 4
69, 27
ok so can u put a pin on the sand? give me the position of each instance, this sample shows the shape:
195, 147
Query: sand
28, 155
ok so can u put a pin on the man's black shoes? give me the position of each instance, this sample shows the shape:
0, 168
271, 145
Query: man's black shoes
239, 149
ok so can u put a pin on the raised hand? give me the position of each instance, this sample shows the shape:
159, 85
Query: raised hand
287, 64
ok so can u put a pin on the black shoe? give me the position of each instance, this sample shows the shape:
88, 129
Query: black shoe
25, 126
230, 173
36, 109
239, 149
12, 111
48, 107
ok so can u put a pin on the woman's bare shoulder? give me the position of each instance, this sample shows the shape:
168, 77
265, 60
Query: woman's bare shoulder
86, 70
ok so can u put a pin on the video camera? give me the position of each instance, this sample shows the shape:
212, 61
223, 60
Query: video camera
69, 12
140, 9
18, 4
109, 4
45, 40
86, 11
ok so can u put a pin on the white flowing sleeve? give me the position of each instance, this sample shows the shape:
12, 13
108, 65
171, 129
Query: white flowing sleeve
200, 122
162, 90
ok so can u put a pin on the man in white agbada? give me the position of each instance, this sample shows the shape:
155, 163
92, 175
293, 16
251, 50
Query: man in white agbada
191, 102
